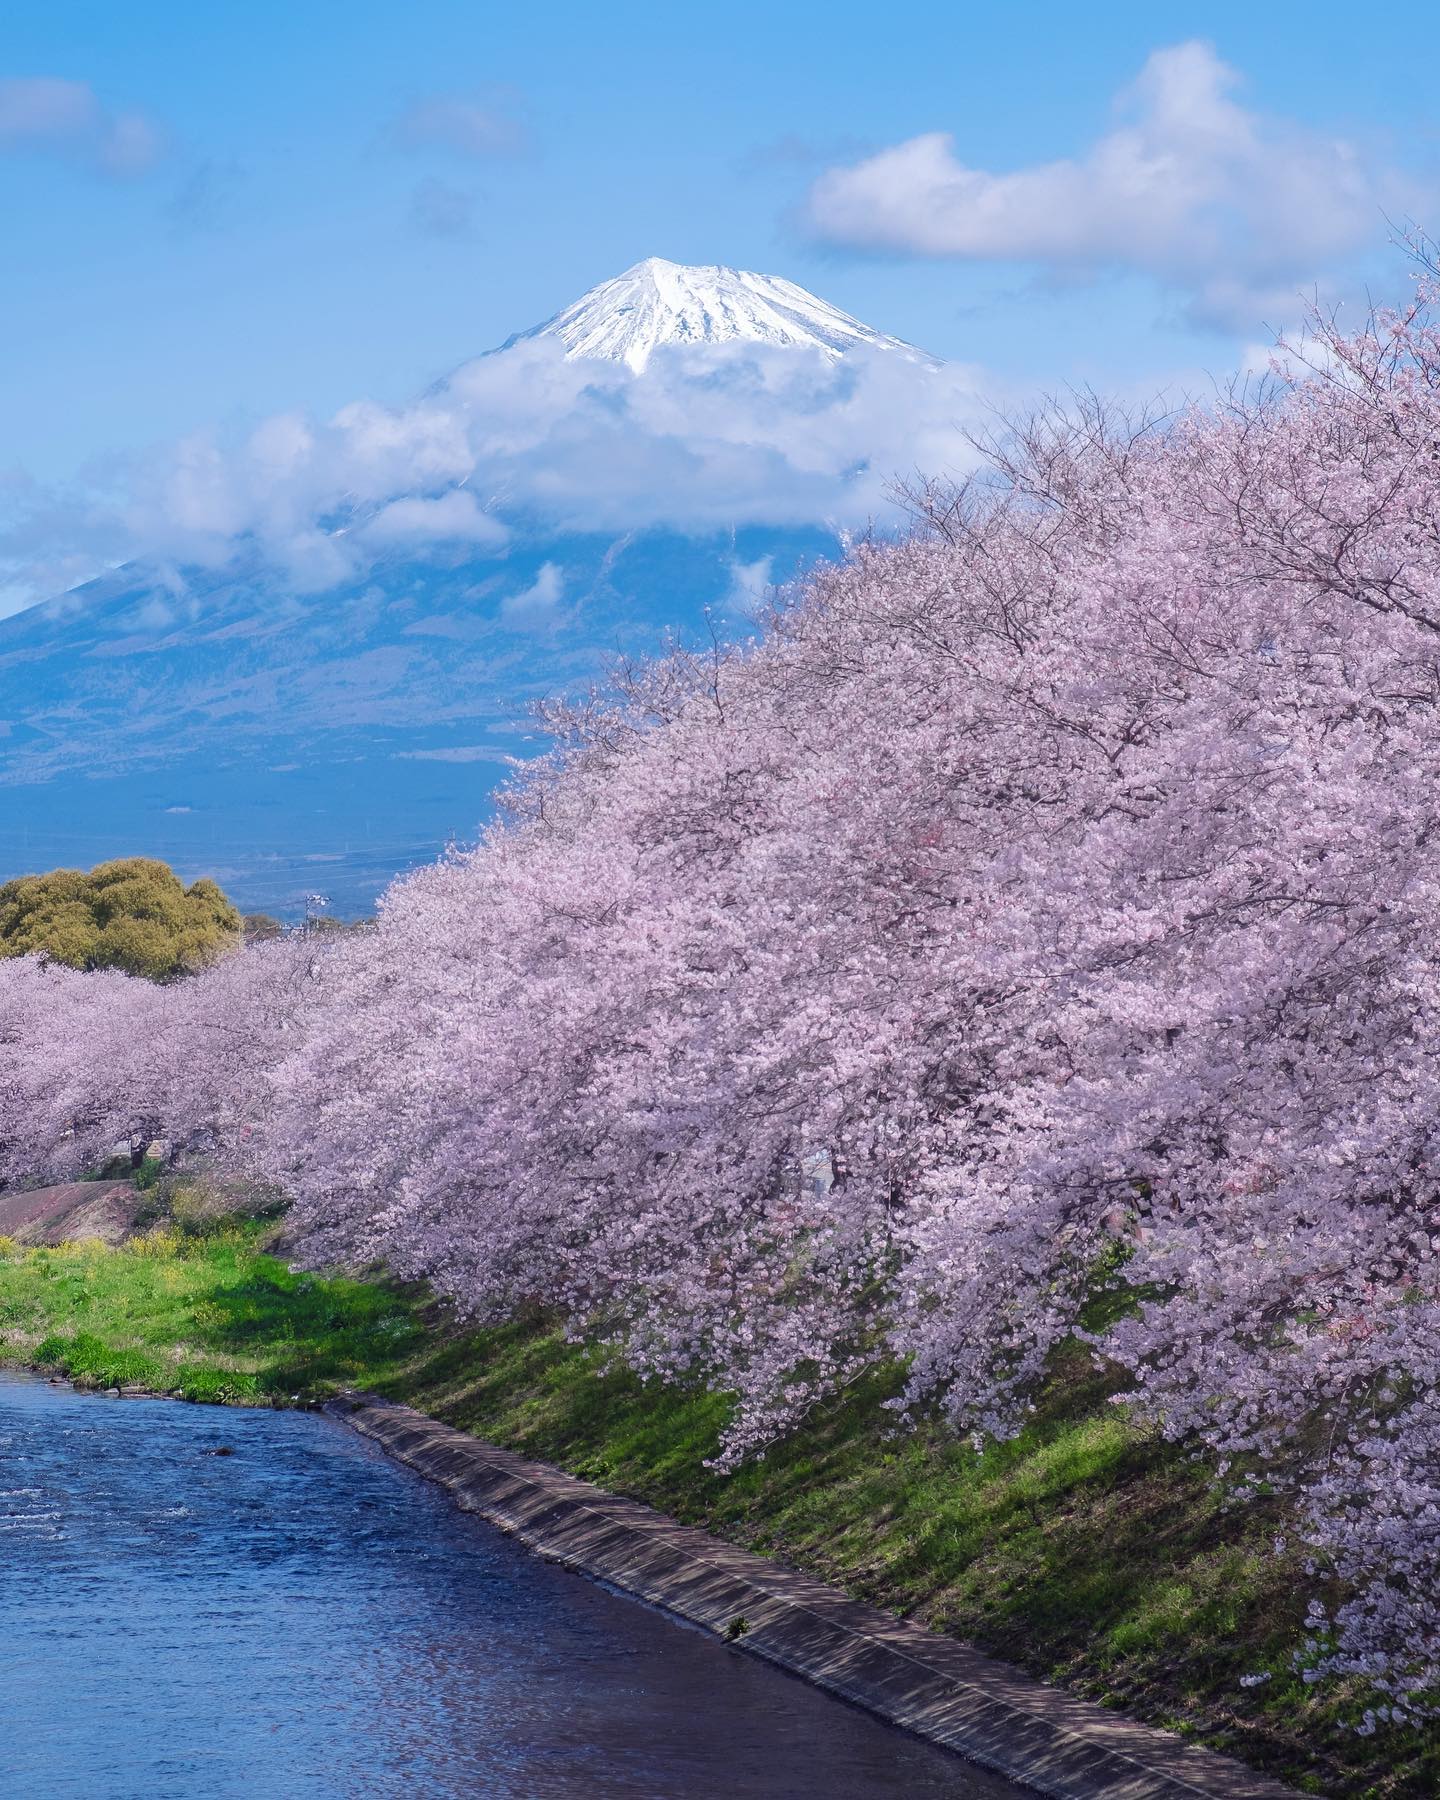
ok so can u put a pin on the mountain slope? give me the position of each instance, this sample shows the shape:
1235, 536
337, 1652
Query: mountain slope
658, 303
284, 742
283, 739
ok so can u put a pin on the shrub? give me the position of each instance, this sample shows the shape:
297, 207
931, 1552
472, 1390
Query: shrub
134, 915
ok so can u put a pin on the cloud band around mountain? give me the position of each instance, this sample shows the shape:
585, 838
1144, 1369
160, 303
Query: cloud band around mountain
704, 437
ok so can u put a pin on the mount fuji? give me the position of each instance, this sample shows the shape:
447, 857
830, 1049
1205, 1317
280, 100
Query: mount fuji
648, 461
657, 304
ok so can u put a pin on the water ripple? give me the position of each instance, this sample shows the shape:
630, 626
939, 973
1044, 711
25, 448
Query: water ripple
304, 1618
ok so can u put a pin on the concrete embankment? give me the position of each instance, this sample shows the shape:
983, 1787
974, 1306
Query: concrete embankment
1050, 1742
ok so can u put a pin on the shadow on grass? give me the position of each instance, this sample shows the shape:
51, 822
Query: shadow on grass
1082, 1549
310, 1335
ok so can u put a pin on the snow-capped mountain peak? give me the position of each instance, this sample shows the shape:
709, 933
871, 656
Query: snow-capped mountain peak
659, 303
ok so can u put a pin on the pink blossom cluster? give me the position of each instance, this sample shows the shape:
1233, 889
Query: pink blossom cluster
74, 1071
1056, 890
98, 1063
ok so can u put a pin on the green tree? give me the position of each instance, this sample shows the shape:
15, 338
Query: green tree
134, 914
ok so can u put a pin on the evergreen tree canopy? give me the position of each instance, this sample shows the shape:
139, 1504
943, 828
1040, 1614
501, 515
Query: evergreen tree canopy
133, 914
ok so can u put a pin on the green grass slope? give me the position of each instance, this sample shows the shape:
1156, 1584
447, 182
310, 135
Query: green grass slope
1086, 1551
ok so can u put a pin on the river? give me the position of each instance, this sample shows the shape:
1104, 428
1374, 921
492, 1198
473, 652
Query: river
199, 1602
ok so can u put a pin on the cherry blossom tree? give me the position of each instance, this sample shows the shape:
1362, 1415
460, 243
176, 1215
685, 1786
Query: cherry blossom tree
77, 1066
90, 1062
1049, 899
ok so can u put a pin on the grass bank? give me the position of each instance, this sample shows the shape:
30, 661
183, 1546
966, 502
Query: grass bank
1084, 1551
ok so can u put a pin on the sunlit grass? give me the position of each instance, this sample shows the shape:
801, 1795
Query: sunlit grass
1085, 1549
203, 1317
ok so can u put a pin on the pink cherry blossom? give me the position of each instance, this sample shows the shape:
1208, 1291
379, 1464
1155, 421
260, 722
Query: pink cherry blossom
1061, 883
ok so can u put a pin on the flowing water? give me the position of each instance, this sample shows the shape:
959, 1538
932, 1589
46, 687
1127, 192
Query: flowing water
197, 1602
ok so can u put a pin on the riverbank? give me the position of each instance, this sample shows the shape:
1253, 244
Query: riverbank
1083, 1551
218, 1603
1031, 1734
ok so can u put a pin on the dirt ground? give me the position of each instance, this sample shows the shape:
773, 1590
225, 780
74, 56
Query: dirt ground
77, 1209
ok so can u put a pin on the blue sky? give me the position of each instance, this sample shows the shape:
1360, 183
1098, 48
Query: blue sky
243, 241
232, 210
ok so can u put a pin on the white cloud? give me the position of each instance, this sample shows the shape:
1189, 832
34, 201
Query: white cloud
66, 118
153, 614
452, 517
457, 753
705, 438
750, 584
474, 126
536, 605
1230, 205
709, 436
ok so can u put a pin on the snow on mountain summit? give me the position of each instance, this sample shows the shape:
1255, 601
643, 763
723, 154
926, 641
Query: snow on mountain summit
662, 303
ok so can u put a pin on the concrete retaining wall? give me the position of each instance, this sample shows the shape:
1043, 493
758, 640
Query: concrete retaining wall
1048, 1741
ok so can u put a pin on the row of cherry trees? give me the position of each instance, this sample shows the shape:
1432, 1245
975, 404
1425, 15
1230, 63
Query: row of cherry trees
1054, 891
97, 1063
